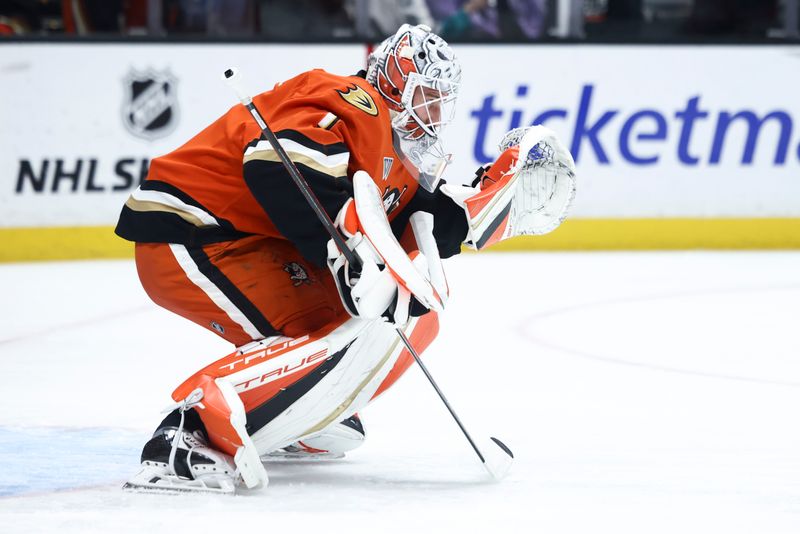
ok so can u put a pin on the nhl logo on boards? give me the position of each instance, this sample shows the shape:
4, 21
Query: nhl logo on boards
150, 108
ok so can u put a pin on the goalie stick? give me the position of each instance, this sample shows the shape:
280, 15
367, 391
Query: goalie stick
496, 458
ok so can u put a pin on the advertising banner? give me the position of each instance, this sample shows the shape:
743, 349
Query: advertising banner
82, 121
657, 132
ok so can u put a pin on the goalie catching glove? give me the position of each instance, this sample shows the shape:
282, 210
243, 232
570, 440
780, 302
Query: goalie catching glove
390, 282
527, 191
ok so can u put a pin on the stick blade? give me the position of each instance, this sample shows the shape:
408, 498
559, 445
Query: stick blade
498, 458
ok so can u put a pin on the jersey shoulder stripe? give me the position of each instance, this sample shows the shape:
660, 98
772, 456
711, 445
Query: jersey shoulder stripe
331, 159
334, 165
299, 137
154, 200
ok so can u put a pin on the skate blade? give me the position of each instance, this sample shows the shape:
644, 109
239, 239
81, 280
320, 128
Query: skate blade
304, 457
160, 483
173, 490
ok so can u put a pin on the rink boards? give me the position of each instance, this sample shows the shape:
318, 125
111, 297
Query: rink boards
676, 146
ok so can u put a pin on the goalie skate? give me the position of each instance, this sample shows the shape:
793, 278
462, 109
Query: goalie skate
331, 444
192, 467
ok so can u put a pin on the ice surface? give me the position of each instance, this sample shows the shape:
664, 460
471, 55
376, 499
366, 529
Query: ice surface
640, 393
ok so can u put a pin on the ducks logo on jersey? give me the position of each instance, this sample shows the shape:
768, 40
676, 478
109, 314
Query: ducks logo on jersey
359, 98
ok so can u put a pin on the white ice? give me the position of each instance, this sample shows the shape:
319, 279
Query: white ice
641, 393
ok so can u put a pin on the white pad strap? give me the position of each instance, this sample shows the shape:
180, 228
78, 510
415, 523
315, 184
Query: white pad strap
246, 458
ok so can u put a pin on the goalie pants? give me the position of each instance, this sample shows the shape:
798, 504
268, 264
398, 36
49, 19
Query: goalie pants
242, 290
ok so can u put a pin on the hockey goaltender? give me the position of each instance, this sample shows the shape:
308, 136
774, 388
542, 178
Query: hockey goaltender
317, 252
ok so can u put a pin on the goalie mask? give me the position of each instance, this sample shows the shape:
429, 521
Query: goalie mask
418, 75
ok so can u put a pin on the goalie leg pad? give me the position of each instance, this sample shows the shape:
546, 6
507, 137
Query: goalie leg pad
425, 329
312, 383
359, 355
290, 389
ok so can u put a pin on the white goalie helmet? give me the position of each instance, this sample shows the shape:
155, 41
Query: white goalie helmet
417, 74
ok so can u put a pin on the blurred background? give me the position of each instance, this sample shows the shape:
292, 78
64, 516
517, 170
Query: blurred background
682, 115
456, 20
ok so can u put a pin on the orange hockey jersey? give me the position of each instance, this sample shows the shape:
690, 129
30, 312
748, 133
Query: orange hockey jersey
227, 182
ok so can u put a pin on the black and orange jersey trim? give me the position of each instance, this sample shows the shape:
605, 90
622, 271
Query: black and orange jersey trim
324, 168
158, 212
